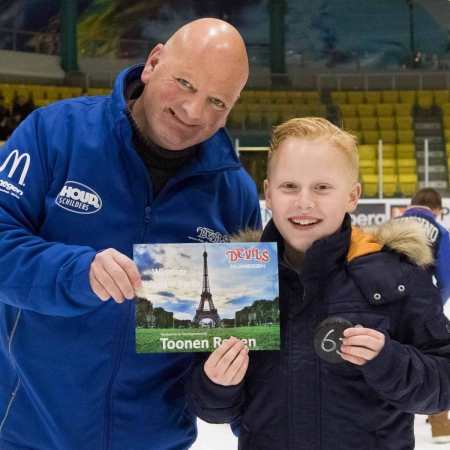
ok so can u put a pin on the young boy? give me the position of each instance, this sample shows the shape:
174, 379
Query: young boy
394, 355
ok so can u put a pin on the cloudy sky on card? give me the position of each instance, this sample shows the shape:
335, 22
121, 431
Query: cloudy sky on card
231, 289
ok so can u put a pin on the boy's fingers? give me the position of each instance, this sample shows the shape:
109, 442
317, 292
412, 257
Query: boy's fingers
240, 373
234, 372
220, 351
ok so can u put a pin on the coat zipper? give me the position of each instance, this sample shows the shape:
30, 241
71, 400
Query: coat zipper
108, 396
16, 388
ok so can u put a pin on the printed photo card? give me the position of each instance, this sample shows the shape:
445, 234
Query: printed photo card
197, 295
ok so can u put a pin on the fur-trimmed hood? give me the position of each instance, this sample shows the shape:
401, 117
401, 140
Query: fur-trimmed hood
405, 236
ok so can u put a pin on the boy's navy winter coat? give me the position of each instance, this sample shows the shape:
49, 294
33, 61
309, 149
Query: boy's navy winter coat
294, 400
71, 185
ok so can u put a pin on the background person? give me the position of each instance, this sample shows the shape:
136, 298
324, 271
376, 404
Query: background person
426, 207
82, 180
396, 349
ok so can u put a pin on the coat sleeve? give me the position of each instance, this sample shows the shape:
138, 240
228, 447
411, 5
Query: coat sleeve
443, 266
211, 402
412, 371
46, 277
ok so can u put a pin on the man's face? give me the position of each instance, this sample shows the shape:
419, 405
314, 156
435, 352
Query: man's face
187, 97
309, 190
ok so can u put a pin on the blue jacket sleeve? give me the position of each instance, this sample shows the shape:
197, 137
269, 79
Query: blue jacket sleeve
443, 266
46, 277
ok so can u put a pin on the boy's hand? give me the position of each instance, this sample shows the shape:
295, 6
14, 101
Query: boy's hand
228, 363
361, 345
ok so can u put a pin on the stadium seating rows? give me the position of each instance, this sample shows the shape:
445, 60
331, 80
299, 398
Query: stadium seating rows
43, 95
424, 98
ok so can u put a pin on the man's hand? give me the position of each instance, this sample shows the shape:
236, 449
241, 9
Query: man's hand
361, 345
113, 274
228, 363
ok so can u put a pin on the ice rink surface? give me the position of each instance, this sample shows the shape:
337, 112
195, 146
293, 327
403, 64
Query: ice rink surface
220, 437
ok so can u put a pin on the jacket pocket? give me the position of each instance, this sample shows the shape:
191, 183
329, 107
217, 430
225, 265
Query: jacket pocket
439, 327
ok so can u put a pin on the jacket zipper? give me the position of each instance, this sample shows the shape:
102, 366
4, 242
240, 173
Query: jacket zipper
16, 388
108, 396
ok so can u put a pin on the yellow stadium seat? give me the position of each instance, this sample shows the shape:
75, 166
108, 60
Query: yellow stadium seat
389, 166
388, 151
368, 151
407, 96
236, 118
280, 97
403, 109
367, 166
319, 110
370, 185
425, 99
263, 97
405, 151
247, 96
352, 123
408, 184
388, 136
69, 92
38, 91
447, 148
355, 97
405, 136
52, 93
390, 96
370, 137
369, 123
339, 97
2, 142
390, 185
254, 116
271, 114
287, 111
38, 102
297, 97
100, 91
348, 110
358, 134
404, 122
406, 166
365, 110
386, 123
440, 97
385, 109
373, 97
447, 134
311, 97
303, 110
23, 89
446, 120
445, 108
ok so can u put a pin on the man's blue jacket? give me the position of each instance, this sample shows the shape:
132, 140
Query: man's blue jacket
71, 185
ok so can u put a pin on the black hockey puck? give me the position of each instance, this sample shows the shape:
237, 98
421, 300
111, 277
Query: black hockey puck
328, 338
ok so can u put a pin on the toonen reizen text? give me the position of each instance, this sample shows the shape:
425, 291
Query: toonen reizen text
198, 344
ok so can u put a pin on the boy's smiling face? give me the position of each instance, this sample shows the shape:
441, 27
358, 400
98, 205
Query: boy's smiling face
309, 190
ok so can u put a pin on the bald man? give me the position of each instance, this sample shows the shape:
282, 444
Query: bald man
81, 181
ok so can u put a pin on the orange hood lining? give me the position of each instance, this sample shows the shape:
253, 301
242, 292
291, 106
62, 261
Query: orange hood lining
362, 244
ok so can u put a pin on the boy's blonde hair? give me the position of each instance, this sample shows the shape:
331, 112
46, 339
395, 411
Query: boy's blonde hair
316, 129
